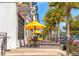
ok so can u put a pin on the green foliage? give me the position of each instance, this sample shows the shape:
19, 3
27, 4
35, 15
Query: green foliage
66, 6
53, 16
73, 50
75, 24
60, 11
74, 53
74, 27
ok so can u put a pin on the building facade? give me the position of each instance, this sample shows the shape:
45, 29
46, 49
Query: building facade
13, 17
9, 23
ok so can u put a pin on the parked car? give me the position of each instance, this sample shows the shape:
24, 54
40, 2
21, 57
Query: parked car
63, 42
75, 42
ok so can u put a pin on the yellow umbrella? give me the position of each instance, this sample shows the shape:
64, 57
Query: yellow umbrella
34, 25
40, 39
37, 32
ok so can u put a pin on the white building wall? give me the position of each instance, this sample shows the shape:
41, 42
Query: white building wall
9, 23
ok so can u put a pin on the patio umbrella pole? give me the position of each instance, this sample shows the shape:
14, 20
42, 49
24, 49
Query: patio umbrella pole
35, 42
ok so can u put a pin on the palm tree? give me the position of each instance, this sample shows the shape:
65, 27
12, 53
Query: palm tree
49, 22
59, 15
53, 18
67, 6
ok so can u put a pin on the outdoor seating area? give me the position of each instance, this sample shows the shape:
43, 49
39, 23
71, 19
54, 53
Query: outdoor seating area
37, 37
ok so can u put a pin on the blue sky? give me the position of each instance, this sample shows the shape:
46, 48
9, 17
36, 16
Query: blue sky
75, 12
43, 7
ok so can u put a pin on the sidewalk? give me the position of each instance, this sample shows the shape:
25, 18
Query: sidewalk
36, 52
47, 49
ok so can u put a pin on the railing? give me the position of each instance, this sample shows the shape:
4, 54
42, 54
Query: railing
3, 39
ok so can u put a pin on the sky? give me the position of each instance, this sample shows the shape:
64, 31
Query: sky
43, 7
75, 12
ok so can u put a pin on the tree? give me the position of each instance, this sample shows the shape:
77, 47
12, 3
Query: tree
53, 17
67, 6
74, 27
51, 25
